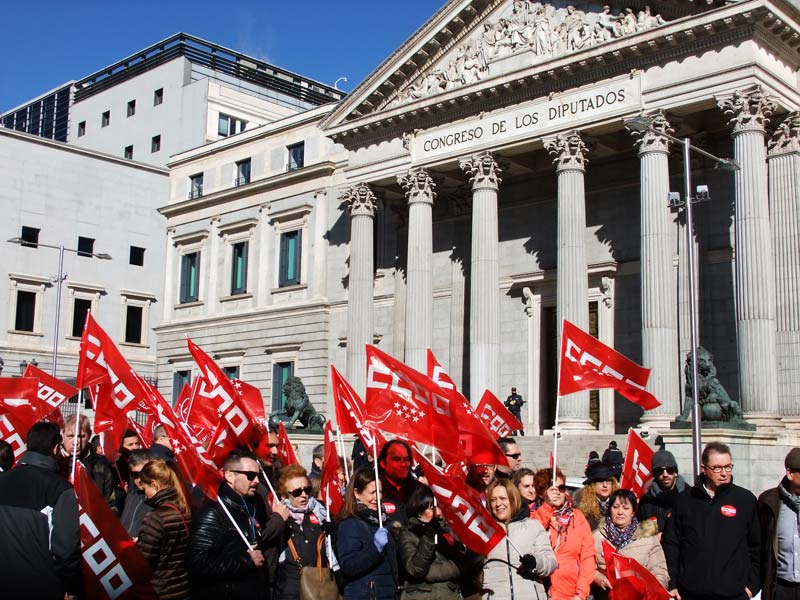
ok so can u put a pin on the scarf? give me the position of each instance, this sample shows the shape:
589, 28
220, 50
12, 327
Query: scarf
370, 516
789, 499
298, 514
620, 537
603, 506
561, 520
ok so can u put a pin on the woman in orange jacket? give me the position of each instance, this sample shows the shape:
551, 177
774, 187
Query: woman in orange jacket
570, 537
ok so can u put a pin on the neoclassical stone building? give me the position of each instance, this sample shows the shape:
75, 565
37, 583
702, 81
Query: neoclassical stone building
485, 182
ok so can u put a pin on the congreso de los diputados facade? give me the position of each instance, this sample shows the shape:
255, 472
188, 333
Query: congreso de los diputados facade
513, 164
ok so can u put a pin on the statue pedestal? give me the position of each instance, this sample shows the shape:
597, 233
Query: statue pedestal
707, 425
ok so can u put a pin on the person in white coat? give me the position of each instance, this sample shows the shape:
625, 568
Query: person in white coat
517, 566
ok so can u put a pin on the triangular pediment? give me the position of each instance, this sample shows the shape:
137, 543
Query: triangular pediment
472, 41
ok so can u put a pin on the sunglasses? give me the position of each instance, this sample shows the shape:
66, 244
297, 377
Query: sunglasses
515, 456
308, 490
251, 475
660, 470
562, 488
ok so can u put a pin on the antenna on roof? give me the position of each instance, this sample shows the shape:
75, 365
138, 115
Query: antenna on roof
336, 83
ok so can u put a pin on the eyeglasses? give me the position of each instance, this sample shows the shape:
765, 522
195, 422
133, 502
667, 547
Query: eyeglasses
136, 474
660, 470
562, 488
515, 455
308, 490
719, 468
251, 475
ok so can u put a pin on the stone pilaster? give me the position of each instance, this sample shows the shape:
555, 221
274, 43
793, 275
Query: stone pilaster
784, 201
320, 278
419, 187
657, 239
569, 152
484, 317
749, 111
266, 235
170, 287
362, 204
213, 294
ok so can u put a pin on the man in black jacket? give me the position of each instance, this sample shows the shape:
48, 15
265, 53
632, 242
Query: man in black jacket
220, 564
135, 506
659, 499
712, 539
40, 551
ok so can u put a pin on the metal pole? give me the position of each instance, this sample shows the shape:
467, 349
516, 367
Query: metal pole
59, 278
696, 418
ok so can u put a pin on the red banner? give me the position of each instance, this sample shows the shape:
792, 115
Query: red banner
52, 394
588, 364
350, 415
201, 417
496, 416
630, 580
19, 399
286, 452
9, 433
406, 403
462, 509
636, 469
439, 376
113, 567
329, 482
221, 443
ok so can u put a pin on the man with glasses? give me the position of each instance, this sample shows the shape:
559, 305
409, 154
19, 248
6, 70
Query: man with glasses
220, 564
779, 513
513, 455
135, 506
712, 540
659, 500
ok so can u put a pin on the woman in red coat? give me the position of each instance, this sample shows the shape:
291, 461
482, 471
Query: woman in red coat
570, 537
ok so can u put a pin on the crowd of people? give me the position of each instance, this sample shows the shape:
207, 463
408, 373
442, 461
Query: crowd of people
710, 539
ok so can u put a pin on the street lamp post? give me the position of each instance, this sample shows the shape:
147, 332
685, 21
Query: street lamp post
58, 280
644, 123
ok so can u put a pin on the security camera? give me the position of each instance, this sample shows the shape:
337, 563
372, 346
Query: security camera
702, 193
674, 200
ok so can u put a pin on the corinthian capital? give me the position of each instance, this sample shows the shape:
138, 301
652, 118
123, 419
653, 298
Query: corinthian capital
748, 110
482, 169
655, 138
786, 138
568, 150
418, 185
360, 200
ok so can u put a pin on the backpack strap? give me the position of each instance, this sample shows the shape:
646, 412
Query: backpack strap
180, 514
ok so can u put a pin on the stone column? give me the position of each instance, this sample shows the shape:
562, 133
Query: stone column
570, 151
755, 271
170, 288
484, 316
418, 187
784, 201
362, 204
659, 318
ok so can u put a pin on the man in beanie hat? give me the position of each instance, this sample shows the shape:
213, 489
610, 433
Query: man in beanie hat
779, 513
659, 500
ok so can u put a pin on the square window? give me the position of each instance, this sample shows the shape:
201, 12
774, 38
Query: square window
281, 372
133, 324
129, 152
30, 237
231, 372
243, 172
137, 256
85, 246
155, 144
81, 128
289, 267
24, 318
196, 185
105, 120
296, 156
228, 125
158, 96
80, 308
239, 268
131, 108
179, 379
190, 277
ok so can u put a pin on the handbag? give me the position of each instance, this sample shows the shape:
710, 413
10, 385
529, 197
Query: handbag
316, 583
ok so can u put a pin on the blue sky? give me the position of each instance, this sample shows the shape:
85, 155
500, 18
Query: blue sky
57, 41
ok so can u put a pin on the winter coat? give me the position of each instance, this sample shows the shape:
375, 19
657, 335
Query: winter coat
304, 538
644, 547
368, 574
135, 510
713, 545
769, 506
394, 499
102, 474
501, 580
574, 551
432, 568
40, 551
657, 504
163, 541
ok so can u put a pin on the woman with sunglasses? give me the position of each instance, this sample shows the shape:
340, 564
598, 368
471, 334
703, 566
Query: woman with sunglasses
303, 538
622, 530
164, 537
659, 500
570, 538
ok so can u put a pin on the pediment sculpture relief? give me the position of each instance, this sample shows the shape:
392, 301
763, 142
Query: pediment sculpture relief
544, 30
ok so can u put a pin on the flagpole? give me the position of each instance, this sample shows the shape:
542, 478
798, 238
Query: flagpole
266, 479
235, 525
377, 483
341, 451
76, 433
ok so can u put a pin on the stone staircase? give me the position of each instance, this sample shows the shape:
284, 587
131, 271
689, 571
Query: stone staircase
573, 450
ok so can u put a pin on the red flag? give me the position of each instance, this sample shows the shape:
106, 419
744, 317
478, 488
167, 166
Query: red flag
19, 399
406, 403
588, 364
9, 433
111, 438
286, 452
553, 463
113, 567
439, 376
221, 443
636, 469
497, 417
631, 581
329, 479
462, 509
350, 415
200, 417
52, 394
